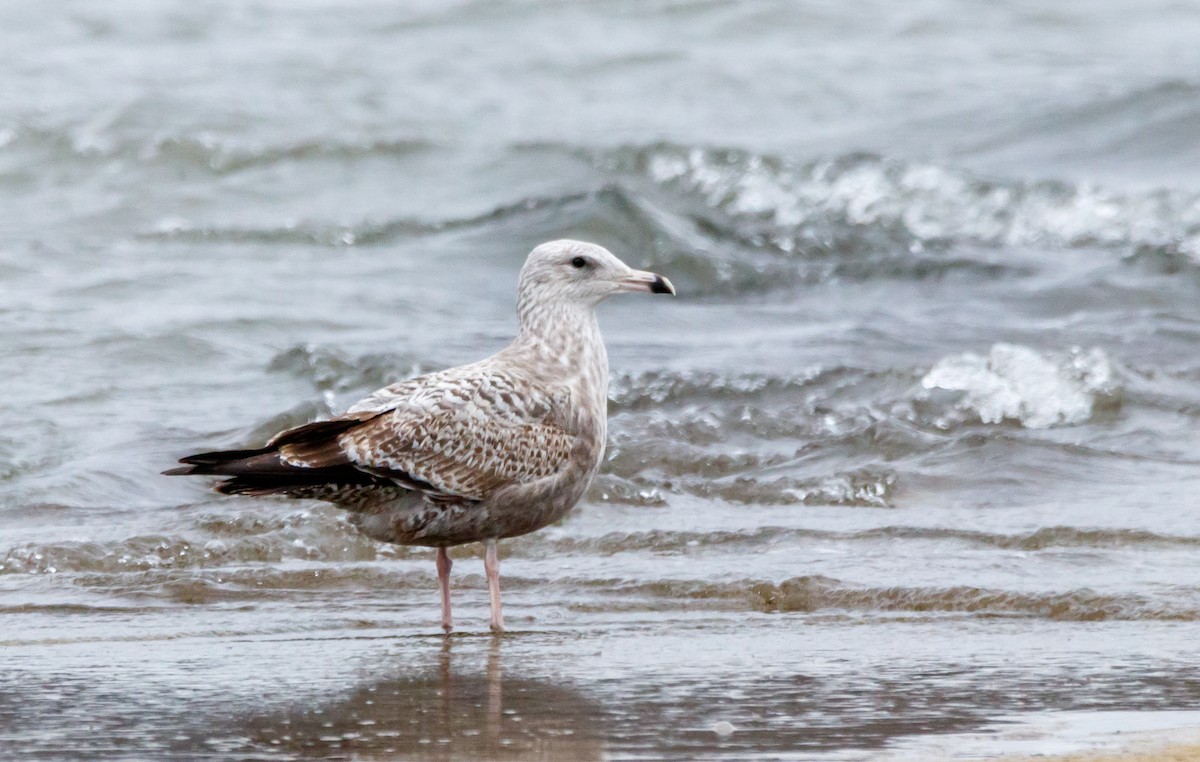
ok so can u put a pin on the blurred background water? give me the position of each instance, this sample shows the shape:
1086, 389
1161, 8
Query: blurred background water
913, 452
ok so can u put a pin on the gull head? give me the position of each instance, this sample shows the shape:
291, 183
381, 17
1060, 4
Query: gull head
579, 273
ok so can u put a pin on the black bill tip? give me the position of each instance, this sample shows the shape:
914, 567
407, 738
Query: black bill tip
662, 286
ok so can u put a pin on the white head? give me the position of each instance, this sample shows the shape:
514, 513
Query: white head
574, 273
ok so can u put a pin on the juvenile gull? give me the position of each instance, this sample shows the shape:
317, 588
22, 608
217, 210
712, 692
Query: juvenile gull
495, 449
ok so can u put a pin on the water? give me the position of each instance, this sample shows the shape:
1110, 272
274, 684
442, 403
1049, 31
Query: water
913, 453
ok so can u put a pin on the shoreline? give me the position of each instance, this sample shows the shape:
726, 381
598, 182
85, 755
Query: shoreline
1104, 736
1167, 751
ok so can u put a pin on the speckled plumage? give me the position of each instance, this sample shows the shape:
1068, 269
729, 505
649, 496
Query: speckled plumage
494, 449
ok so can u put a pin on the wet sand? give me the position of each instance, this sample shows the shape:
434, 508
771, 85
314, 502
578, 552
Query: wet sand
1167, 753
1144, 750
1112, 736
383, 686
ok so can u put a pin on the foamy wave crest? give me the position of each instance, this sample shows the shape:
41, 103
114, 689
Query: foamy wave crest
1016, 383
799, 206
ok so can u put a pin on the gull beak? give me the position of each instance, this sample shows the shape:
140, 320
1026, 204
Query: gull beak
645, 282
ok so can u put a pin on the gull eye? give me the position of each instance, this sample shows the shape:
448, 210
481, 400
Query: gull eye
579, 262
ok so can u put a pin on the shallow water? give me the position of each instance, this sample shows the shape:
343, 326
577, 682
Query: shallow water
913, 452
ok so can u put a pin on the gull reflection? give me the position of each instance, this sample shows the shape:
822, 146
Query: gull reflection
442, 713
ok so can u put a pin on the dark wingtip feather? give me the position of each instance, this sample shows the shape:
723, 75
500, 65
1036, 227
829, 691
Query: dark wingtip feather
209, 463
220, 457
232, 487
252, 487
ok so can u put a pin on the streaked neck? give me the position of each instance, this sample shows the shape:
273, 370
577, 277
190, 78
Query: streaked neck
565, 338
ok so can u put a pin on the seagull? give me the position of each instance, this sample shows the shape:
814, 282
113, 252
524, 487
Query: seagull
477, 453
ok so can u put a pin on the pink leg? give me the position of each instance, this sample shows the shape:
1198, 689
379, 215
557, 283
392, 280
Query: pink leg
443, 568
491, 564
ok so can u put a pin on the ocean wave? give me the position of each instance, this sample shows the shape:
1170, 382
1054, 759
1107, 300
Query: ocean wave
293, 232
868, 487
651, 389
255, 538
830, 206
209, 151
816, 594
365, 233
745, 483
222, 156
321, 540
251, 583
1019, 384
820, 436
726, 222
704, 407
802, 594
677, 542
330, 369
712, 213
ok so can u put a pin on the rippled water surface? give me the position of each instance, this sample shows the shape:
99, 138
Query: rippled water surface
914, 451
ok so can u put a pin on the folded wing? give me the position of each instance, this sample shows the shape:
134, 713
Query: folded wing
452, 438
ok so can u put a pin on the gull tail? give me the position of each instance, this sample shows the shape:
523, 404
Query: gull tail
217, 462
266, 470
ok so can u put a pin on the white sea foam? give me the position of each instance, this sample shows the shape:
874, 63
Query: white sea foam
927, 201
1017, 383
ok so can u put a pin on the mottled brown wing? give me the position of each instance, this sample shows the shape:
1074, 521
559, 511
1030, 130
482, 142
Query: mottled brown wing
464, 436
318, 431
